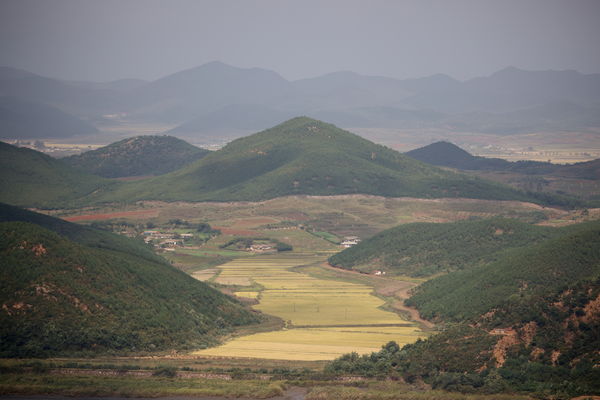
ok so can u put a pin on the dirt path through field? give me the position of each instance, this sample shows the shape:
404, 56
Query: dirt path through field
389, 288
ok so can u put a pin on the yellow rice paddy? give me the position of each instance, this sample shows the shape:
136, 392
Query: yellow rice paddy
328, 318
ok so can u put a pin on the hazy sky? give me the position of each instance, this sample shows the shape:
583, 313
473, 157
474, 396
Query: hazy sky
109, 39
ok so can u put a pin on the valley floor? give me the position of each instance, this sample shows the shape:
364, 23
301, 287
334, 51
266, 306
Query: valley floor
322, 312
325, 318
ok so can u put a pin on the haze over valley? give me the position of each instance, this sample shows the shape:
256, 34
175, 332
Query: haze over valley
562, 105
203, 199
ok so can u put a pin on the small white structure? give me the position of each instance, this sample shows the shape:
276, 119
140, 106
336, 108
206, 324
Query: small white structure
260, 247
350, 241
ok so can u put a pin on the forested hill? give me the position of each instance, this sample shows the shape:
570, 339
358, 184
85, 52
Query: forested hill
137, 156
529, 321
422, 249
542, 270
30, 178
68, 290
302, 156
306, 156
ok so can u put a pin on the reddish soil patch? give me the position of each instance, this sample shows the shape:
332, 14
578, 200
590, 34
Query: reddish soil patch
250, 222
297, 216
236, 232
121, 214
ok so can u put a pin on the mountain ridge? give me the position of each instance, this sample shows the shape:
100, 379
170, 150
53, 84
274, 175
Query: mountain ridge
306, 156
505, 102
137, 156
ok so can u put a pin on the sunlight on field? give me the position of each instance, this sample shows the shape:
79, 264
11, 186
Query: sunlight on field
311, 344
329, 317
205, 274
248, 295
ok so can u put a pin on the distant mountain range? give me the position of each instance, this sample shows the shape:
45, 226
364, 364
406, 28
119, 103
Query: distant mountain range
25, 119
301, 156
216, 98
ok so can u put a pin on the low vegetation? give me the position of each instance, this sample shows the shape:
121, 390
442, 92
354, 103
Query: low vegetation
127, 386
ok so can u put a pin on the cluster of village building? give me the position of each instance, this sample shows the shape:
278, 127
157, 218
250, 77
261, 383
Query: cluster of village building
350, 241
166, 240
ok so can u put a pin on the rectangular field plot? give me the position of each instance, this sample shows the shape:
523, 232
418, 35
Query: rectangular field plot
310, 344
302, 299
327, 317
205, 274
248, 295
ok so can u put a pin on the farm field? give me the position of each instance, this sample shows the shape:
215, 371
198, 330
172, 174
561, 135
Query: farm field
311, 344
325, 318
327, 312
347, 215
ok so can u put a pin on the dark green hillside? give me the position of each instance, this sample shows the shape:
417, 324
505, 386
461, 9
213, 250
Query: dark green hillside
535, 270
527, 322
305, 156
81, 234
62, 297
422, 249
30, 178
137, 156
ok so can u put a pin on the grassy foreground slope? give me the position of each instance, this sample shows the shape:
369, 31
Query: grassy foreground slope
31, 178
99, 292
423, 249
305, 156
137, 156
